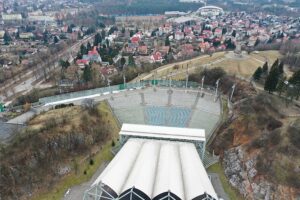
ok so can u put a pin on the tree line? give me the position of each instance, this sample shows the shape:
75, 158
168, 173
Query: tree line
274, 79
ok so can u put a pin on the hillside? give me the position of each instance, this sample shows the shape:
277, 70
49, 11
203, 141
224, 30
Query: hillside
57, 145
260, 147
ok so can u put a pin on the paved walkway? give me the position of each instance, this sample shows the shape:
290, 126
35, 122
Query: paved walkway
77, 192
216, 182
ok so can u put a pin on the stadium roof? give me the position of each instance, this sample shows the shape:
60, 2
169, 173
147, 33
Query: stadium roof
210, 7
149, 131
156, 167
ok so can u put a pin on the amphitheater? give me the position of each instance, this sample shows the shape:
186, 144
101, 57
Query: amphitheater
163, 106
159, 104
164, 127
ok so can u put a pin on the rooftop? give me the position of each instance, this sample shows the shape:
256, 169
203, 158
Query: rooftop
155, 168
163, 132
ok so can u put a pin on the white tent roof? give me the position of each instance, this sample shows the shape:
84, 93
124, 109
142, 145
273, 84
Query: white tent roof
157, 166
163, 132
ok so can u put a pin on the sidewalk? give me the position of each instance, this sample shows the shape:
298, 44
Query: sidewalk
216, 182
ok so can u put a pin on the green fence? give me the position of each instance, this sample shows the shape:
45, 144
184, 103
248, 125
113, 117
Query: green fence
1, 107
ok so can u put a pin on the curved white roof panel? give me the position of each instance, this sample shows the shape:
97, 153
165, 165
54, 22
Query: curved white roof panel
156, 167
211, 7
121, 166
144, 168
166, 179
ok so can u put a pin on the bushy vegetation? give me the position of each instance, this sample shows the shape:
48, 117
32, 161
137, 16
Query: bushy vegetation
52, 140
259, 126
242, 89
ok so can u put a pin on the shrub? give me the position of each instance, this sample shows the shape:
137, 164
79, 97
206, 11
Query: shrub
50, 124
294, 136
211, 75
293, 180
84, 172
259, 142
275, 137
273, 124
91, 162
261, 165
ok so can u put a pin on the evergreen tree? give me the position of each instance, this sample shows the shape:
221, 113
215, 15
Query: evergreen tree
87, 73
103, 34
6, 38
55, 39
107, 43
224, 31
64, 64
123, 61
79, 37
131, 61
265, 68
167, 42
79, 55
256, 42
98, 39
295, 79
83, 50
281, 86
257, 74
45, 37
281, 68
131, 33
89, 46
123, 30
272, 79
275, 65
233, 33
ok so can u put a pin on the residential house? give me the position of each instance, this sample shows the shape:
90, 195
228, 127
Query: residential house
157, 57
143, 50
218, 32
179, 35
93, 56
82, 62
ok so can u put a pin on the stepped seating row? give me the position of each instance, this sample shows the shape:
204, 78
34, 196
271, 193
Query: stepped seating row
164, 116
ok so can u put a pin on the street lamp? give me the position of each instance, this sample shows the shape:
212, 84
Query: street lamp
124, 80
187, 78
108, 83
217, 87
202, 83
233, 88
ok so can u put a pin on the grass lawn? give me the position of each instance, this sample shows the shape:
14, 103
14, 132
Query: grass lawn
231, 192
243, 67
73, 178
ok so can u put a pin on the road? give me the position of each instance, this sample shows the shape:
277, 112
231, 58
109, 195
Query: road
27, 82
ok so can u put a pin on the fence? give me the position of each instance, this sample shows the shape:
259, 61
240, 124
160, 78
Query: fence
126, 86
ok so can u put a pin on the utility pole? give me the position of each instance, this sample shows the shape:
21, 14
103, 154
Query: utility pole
217, 87
202, 84
124, 80
108, 83
187, 78
233, 88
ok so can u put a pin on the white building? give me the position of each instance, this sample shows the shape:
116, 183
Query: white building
210, 11
155, 163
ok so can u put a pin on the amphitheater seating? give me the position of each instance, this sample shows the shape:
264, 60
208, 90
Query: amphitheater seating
167, 116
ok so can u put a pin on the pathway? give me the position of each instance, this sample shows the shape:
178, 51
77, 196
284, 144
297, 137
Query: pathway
76, 192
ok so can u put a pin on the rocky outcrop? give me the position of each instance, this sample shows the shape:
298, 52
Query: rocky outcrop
242, 175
